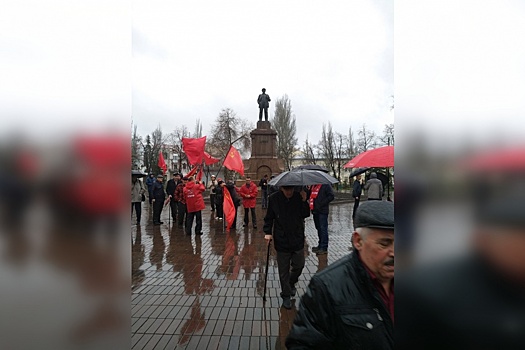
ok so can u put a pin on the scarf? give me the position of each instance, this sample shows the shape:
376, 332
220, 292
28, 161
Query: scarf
313, 195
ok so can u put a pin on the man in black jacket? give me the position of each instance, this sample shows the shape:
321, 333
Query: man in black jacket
284, 221
320, 198
158, 199
350, 304
170, 190
357, 188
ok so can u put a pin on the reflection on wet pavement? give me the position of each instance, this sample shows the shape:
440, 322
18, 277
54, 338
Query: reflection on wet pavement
205, 292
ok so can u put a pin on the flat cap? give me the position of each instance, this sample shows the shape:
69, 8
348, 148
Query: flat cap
375, 214
160, 175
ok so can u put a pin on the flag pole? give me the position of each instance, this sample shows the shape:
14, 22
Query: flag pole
224, 158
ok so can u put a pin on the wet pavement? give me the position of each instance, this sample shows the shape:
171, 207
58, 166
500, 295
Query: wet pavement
206, 292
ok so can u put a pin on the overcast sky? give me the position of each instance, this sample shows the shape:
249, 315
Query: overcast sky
333, 59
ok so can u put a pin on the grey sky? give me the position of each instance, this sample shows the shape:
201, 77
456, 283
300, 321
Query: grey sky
333, 59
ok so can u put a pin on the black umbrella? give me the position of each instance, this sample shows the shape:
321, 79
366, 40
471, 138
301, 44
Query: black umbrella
311, 167
357, 171
138, 173
302, 177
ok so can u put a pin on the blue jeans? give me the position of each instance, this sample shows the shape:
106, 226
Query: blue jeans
264, 199
321, 225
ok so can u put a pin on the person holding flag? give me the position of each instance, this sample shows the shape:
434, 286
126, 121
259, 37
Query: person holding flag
219, 199
181, 202
194, 205
231, 205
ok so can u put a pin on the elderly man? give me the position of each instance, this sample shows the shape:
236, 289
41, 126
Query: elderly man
284, 222
350, 304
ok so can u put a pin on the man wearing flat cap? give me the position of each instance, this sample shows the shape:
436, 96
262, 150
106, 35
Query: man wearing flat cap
350, 304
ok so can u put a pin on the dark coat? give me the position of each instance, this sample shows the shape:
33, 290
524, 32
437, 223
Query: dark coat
285, 220
263, 184
219, 196
462, 303
157, 190
170, 188
324, 197
342, 310
357, 189
233, 193
150, 181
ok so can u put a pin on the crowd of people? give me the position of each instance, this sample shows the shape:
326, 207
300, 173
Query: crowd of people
350, 302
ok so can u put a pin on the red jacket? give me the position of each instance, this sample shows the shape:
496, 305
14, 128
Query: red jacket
251, 191
193, 196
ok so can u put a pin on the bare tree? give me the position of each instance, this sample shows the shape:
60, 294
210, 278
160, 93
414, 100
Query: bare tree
229, 129
388, 135
198, 129
284, 123
326, 147
309, 152
367, 139
351, 146
174, 140
156, 148
340, 154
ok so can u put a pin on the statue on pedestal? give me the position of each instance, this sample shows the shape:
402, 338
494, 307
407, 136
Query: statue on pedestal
263, 101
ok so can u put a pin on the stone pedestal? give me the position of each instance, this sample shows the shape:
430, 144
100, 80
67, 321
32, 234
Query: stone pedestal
263, 159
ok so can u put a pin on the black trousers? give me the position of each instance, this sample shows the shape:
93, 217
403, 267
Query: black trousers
212, 201
173, 207
246, 216
356, 205
138, 209
181, 213
219, 212
290, 266
157, 209
189, 222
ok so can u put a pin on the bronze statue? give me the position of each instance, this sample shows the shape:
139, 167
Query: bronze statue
263, 100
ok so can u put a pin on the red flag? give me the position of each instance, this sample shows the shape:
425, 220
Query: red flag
233, 161
162, 164
192, 171
209, 160
199, 174
194, 149
228, 208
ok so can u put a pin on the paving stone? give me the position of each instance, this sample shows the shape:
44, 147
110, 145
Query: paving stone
206, 291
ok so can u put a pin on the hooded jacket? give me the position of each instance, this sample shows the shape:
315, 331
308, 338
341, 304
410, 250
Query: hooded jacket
342, 310
193, 196
285, 221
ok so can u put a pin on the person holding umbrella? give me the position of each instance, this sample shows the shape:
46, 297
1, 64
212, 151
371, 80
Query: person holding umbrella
357, 188
320, 198
284, 222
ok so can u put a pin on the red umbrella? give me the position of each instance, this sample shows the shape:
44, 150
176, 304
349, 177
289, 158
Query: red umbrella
382, 157
499, 160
